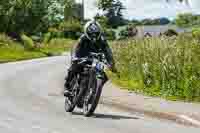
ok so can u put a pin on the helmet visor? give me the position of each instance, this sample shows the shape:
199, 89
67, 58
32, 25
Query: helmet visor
94, 35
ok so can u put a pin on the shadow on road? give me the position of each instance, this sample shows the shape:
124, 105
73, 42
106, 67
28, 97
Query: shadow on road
107, 116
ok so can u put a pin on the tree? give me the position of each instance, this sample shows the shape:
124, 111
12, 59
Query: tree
30, 16
187, 20
23, 15
69, 4
113, 11
157, 21
73, 11
105, 4
55, 13
135, 22
103, 20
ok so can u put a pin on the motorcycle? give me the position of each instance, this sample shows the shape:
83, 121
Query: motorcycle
87, 85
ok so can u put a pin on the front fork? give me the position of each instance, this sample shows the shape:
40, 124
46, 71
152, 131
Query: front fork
93, 76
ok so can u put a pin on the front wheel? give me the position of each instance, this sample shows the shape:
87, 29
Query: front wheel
92, 97
77, 92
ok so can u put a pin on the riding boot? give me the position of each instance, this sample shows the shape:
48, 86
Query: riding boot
67, 88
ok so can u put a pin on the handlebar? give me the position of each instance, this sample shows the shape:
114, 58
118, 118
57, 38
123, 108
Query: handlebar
85, 60
92, 55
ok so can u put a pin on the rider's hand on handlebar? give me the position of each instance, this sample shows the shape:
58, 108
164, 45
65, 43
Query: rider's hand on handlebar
112, 68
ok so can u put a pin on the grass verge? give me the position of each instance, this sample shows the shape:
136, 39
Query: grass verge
11, 51
163, 67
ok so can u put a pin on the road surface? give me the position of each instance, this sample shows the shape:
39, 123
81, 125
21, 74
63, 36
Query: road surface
31, 101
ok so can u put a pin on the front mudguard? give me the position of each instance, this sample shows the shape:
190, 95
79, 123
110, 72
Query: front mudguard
102, 76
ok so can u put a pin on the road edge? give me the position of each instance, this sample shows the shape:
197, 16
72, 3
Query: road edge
175, 117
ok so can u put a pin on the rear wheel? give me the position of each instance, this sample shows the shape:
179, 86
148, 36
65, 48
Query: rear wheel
92, 97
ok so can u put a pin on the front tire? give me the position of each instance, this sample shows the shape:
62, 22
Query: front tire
91, 104
71, 101
68, 105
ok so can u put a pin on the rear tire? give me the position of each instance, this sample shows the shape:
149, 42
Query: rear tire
89, 110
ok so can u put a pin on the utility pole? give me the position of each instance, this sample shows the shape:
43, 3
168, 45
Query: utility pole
83, 10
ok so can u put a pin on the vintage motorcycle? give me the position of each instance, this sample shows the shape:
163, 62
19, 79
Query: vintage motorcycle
87, 85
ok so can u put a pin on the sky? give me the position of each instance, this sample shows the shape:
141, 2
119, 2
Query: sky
140, 9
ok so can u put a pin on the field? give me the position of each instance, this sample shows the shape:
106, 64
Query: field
165, 67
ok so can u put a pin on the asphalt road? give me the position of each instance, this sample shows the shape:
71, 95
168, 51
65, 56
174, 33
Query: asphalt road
31, 101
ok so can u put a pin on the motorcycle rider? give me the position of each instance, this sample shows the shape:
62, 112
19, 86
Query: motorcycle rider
91, 41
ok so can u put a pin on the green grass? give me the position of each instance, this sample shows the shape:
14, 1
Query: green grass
164, 67
16, 53
57, 46
13, 51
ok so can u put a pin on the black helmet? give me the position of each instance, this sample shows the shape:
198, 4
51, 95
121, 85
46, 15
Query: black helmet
93, 30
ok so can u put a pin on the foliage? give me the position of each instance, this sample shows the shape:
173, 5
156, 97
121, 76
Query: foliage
30, 16
135, 22
27, 42
55, 13
166, 67
73, 11
5, 40
170, 32
129, 31
105, 4
71, 29
113, 11
196, 33
56, 33
157, 21
148, 21
11, 50
17, 53
102, 20
18, 15
57, 45
187, 20
110, 34
47, 37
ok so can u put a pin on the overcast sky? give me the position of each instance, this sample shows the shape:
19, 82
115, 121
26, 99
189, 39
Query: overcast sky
140, 9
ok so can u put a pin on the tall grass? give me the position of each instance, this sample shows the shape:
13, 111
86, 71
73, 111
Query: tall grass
166, 67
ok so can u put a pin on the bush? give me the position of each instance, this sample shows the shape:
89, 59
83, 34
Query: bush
123, 34
37, 37
56, 33
110, 34
196, 33
71, 29
103, 21
27, 42
57, 45
130, 31
47, 38
166, 67
170, 33
5, 40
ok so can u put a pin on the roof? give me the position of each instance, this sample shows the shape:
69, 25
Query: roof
155, 30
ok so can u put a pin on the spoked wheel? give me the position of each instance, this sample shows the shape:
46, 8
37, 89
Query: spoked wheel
69, 107
71, 101
92, 97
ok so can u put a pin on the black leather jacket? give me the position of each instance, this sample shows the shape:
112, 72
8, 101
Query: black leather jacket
85, 46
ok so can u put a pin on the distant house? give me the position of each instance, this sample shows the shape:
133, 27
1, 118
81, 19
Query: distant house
157, 30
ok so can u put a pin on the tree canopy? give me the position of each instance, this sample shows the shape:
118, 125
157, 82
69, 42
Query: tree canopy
187, 20
113, 11
31, 16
